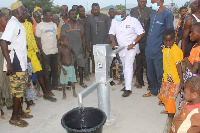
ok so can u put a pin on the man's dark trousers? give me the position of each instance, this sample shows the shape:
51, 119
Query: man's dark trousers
155, 74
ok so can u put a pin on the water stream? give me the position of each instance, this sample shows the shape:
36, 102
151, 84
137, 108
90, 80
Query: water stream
82, 113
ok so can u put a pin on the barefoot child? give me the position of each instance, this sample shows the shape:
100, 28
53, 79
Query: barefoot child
172, 76
30, 93
191, 63
66, 63
187, 120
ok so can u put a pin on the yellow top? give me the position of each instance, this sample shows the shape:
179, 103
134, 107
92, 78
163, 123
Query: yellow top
16, 5
171, 56
30, 39
58, 30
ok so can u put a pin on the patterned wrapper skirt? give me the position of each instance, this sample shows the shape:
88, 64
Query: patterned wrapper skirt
168, 94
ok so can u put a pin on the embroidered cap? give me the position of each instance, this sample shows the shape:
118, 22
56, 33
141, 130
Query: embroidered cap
120, 8
16, 5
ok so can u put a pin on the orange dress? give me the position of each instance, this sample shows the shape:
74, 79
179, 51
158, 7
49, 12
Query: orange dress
194, 54
171, 81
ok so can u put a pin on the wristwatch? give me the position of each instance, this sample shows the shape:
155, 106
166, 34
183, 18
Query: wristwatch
133, 43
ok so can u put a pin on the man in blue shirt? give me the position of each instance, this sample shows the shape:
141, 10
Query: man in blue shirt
160, 20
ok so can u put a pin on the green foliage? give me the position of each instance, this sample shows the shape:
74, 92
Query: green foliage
55, 9
40, 3
186, 4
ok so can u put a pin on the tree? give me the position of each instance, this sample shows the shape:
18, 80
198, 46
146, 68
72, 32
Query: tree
55, 9
31, 4
186, 4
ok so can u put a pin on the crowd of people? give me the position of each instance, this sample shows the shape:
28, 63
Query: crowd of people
45, 50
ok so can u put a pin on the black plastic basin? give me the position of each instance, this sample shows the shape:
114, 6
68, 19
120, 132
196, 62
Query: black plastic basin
94, 120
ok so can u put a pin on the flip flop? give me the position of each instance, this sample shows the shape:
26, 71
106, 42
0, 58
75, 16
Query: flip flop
19, 123
27, 111
148, 95
26, 116
112, 83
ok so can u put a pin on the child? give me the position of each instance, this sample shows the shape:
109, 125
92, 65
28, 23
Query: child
188, 118
66, 63
30, 93
191, 63
118, 70
172, 76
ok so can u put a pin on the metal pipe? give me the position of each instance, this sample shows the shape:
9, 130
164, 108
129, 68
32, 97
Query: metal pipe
87, 91
104, 98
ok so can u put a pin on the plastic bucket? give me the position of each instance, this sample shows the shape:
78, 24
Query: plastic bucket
94, 119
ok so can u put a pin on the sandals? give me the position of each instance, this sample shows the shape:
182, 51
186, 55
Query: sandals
25, 116
47, 97
19, 123
112, 83
83, 85
148, 95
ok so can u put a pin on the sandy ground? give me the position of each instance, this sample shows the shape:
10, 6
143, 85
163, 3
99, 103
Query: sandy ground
135, 113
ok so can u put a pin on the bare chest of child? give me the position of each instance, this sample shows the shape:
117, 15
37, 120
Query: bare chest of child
66, 56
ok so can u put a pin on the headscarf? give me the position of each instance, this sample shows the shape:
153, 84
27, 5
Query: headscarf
37, 8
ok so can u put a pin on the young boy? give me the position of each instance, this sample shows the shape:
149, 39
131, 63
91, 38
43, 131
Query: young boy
172, 76
188, 118
66, 63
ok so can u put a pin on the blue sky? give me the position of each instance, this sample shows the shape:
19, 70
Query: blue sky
87, 3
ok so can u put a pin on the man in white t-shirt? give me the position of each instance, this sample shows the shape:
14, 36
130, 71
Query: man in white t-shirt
46, 36
128, 32
14, 48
